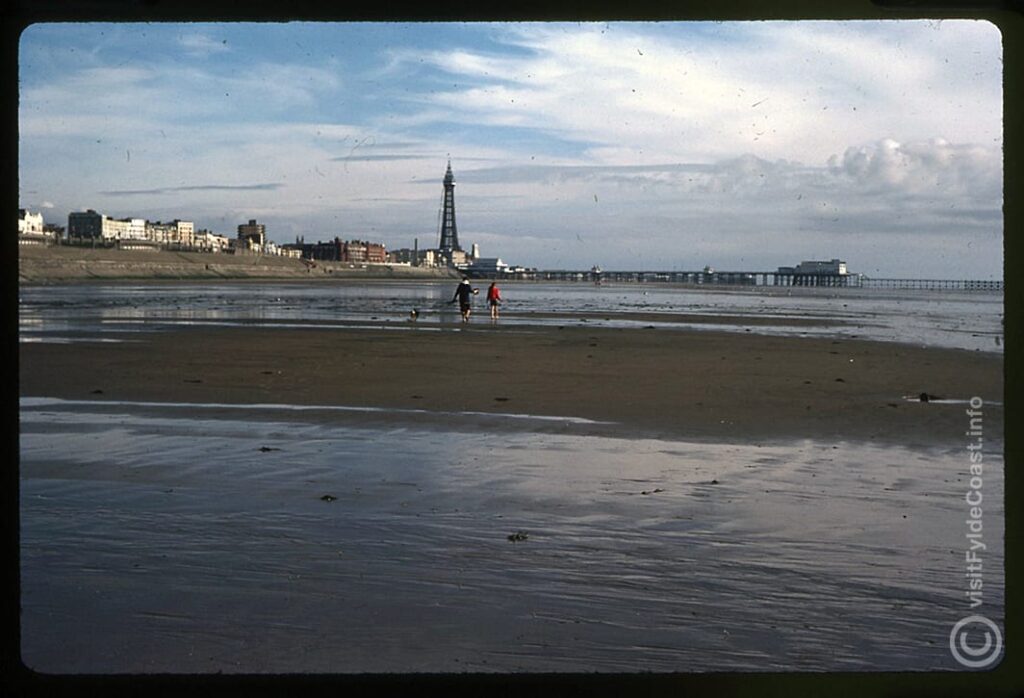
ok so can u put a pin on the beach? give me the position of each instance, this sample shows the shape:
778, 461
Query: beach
725, 386
207, 493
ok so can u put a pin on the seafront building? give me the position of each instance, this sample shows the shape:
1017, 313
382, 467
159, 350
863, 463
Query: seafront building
487, 266
252, 236
416, 257
32, 230
91, 227
206, 241
28, 222
173, 234
338, 250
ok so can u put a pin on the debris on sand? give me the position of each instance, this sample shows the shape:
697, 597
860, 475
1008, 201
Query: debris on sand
328, 498
927, 397
501, 399
518, 536
654, 491
97, 392
264, 449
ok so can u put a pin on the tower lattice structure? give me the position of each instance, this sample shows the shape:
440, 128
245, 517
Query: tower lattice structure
449, 233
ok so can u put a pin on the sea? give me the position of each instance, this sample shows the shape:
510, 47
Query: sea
963, 320
205, 538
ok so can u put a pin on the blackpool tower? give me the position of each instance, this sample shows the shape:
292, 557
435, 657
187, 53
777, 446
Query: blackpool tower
449, 235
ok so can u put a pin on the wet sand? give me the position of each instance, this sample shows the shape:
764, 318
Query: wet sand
183, 539
706, 385
735, 501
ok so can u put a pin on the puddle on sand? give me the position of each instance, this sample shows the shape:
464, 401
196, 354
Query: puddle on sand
165, 542
108, 405
928, 398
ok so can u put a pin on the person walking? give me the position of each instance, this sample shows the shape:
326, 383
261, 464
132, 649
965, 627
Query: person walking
494, 299
464, 294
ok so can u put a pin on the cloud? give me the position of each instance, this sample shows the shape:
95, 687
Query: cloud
202, 45
932, 166
199, 187
379, 158
747, 210
651, 142
776, 89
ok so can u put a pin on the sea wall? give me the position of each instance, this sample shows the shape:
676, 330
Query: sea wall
61, 264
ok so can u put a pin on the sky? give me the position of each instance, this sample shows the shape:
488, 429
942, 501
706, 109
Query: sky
650, 145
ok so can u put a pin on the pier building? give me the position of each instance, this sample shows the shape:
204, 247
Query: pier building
814, 273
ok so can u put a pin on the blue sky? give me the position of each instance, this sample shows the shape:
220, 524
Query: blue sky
671, 145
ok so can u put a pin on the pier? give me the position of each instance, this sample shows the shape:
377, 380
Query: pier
754, 278
935, 284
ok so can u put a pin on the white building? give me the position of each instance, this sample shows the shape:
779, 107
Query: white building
211, 242
488, 265
33, 231
136, 229
416, 257
30, 223
89, 224
124, 229
833, 266
177, 233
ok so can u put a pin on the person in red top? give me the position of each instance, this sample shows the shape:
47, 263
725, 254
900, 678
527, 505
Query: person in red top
494, 299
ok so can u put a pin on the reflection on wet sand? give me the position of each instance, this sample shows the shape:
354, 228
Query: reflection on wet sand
159, 539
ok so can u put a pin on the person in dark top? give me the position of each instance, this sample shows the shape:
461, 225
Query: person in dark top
463, 294
494, 299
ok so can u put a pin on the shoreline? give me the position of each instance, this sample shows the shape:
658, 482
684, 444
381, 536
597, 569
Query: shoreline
679, 384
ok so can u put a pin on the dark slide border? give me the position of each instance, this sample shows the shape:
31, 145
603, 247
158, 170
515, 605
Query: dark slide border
1004, 680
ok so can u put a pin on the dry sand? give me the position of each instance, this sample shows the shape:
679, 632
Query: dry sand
650, 382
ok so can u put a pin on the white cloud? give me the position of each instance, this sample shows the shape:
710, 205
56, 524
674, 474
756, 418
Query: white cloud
922, 167
793, 90
784, 140
202, 45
